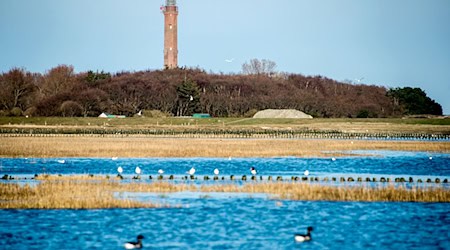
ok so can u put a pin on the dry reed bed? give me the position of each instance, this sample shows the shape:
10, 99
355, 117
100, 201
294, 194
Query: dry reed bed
77, 193
314, 192
62, 195
81, 194
184, 147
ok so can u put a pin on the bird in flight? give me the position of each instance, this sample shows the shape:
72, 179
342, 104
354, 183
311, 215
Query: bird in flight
359, 80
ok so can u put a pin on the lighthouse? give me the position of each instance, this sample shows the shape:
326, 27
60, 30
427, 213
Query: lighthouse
170, 11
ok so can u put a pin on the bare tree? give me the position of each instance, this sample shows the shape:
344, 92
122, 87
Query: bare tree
58, 79
15, 86
259, 67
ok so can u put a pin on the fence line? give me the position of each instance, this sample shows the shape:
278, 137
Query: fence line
228, 134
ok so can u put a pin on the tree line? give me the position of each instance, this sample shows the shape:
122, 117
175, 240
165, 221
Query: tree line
181, 92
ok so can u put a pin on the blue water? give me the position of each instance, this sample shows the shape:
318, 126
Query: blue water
381, 162
239, 223
235, 221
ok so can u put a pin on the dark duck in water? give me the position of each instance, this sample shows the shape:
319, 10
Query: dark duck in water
304, 237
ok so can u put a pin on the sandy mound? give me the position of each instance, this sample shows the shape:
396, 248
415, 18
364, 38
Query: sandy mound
281, 113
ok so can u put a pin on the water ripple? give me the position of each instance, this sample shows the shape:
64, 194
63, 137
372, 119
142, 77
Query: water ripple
239, 223
235, 221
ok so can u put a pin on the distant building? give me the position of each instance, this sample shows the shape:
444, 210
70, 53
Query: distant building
170, 11
106, 115
199, 115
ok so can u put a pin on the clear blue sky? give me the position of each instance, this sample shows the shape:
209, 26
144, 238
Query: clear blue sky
392, 43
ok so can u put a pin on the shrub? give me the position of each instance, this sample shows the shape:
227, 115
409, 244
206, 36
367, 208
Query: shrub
71, 108
366, 114
4, 113
155, 113
31, 111
250, 113
16, 111
362, 114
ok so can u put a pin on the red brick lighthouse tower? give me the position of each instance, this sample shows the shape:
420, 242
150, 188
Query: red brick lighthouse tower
170, 11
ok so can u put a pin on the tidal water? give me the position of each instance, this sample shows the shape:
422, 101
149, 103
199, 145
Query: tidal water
235, 221
370, 163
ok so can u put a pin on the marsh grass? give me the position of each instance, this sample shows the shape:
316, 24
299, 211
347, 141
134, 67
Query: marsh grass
86, 146
81, 194
63, 195
78, 192
305, 191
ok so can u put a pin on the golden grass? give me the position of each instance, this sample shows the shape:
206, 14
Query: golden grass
68, 193
63, 195
307, 191
78, 192
85, 146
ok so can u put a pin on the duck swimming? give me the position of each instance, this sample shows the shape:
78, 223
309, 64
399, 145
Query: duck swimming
135, 245
304, 237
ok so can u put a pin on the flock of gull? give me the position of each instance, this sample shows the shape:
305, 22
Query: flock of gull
191, 171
